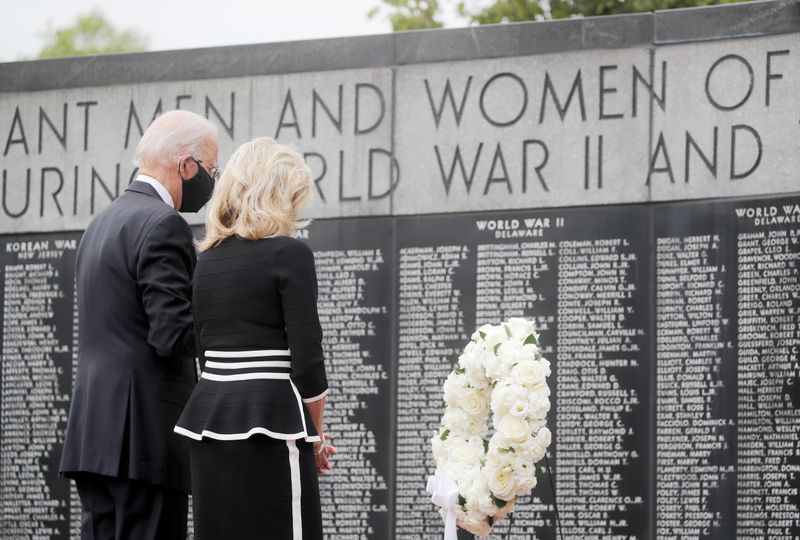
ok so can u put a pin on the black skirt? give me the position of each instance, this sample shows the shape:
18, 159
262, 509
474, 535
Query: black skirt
256, 488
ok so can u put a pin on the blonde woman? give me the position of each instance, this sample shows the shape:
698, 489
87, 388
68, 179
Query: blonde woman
255, 416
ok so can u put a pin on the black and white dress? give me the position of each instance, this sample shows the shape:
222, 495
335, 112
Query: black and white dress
253, 469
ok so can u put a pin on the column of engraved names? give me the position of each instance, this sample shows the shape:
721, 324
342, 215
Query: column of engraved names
512, 280
431, 335
76, 511
34, 397
769, 397
350, 494
693, 434
599, 334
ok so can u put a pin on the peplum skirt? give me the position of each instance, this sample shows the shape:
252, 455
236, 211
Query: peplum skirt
244, 393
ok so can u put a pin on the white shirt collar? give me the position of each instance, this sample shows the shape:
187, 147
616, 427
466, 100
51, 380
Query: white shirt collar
158, 186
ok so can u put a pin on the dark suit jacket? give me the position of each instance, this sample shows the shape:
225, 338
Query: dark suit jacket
136, 345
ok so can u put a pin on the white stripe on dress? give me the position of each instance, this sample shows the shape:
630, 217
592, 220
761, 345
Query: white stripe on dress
245, 365
240, 436
248, 354
316, 398
244, 377
297, 510
299, 405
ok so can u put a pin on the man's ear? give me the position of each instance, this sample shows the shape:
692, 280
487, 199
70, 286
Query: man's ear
187, 167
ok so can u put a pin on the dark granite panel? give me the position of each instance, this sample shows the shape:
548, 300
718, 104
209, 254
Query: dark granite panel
520, 39
728, 21
210, 63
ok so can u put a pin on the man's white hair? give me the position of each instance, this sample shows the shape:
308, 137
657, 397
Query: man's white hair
172, 135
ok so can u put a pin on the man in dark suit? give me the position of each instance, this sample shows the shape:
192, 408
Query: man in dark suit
136, 344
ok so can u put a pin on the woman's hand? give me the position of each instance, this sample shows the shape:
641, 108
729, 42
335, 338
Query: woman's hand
323, 452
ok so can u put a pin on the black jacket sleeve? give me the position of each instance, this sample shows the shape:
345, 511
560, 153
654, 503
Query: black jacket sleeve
164, 274
297, 282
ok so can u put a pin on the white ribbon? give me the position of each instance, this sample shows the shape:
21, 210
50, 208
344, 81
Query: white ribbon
444, 493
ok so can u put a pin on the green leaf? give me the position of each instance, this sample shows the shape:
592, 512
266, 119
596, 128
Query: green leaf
444, 434
490, 521
482, 334
508, 330
485, 445
496, 347
539, 470
531, 340
459, 370
506, 450
461, 500
500, 503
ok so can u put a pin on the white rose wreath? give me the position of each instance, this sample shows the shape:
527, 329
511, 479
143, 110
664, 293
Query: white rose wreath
478, 478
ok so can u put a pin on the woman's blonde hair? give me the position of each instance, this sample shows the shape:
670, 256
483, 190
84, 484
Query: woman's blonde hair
263, 186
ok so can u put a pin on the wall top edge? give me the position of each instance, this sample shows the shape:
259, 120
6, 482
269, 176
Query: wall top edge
749, 19
731, 21
486, 213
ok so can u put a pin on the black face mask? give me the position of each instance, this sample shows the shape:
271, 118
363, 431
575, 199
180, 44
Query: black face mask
196, 190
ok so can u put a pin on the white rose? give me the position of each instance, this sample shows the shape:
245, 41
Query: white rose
453, 387
495, 370
531, 374
496, 367
454, 469
509, 353
524, 483
498, 442
500, 457
536, 423
494, 336
539, 406
472, 363
438, 446
533, 352
468, 452
515, 352
473, 402
505, 395
523, 467
478, 426
513, 428
501, 481
477, 337
478, 495
540, 444
546, 363
455, 420
471, 348
476, 524
521, 328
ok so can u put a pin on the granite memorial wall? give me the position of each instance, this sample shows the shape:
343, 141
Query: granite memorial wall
631, 183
